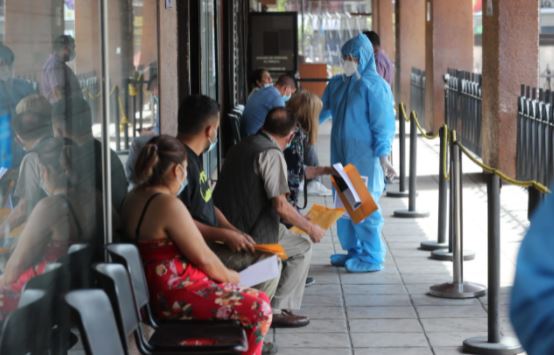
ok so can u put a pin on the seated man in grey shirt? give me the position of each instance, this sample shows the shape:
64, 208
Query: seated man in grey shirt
252, 193
32, 126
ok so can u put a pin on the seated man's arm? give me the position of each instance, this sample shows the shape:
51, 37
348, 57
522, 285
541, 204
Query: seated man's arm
233, 238
273, 170
312, 172
290, 215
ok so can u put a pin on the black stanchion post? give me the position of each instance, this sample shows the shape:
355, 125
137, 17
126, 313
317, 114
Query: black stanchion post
402, 154
494, 343
140, 93
447, 254
126, 108
535, 198
412, 212
117, 120
443, 197
458, 288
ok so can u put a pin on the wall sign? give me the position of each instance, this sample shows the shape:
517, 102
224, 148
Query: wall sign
273, 42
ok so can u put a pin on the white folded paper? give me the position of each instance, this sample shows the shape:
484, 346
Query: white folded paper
262, 271
346, 187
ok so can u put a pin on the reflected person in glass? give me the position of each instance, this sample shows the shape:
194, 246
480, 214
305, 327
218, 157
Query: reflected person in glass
65, 216
32, 127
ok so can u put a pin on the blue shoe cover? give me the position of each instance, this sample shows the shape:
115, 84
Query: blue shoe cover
357, 265
339, 259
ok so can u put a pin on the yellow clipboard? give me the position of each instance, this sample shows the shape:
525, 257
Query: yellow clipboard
368, 205
322, 216
276, 249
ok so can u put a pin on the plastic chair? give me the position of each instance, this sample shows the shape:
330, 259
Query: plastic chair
56, 315
167, 337
129, 256
96, 322
77, 266
23, 330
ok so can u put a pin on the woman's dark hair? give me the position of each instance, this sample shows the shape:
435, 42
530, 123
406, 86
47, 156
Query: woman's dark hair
156, 158
255, 77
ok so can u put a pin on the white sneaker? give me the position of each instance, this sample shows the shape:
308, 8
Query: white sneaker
318, 189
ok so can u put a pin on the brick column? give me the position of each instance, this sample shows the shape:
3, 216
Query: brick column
382, 15
449, 44
510, 58
29, 29
410, 44
168, 44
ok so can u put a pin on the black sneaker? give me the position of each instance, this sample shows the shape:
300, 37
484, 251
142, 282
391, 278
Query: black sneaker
310, 281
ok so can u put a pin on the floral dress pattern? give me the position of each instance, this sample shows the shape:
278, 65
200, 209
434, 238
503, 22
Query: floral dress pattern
10, 294
178, 290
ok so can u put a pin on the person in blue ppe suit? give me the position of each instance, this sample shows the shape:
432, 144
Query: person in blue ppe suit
532, 299
361, 105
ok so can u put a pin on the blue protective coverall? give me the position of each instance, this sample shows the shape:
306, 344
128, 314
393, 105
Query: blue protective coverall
532, 299
362, 109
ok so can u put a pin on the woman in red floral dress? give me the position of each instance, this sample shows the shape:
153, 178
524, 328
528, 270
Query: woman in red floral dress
186, 279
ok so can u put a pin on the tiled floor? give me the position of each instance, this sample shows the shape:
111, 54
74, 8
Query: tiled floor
389, 312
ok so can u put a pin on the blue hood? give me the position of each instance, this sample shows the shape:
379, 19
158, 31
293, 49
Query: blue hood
360, 48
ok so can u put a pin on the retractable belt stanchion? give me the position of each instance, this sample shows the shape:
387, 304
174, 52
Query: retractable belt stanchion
494, 343
411, 212
447, 254
402, 155
443, 197
457, 288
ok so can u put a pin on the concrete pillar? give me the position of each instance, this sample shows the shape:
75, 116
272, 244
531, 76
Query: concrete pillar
448, 44
87, 36
410, 44
510, 58
382, 23
149, 43
168, 66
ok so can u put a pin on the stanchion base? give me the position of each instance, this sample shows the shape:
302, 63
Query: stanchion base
445, 255
432, 245
480, 345
398, 194
452, 290
410, 214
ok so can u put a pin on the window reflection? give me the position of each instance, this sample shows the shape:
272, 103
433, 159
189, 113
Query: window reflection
51, 107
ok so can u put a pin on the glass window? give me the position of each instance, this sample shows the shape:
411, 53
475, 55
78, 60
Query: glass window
53, 131
208, 65
50, 176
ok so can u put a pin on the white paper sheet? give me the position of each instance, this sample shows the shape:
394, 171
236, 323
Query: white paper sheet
338, 201
351, 194
259, 272
3, 172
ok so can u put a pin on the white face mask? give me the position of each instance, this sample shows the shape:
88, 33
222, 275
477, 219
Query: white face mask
266, 85
350, 67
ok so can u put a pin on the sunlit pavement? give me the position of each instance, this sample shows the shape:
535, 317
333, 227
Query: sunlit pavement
389, 312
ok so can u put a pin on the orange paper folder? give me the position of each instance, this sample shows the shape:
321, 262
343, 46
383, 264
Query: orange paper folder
368, 205
276, 249
322, 216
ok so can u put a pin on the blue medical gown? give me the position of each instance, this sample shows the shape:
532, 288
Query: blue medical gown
532, 299
362, 109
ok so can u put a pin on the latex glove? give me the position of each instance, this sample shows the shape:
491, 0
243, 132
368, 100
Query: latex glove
389, 171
